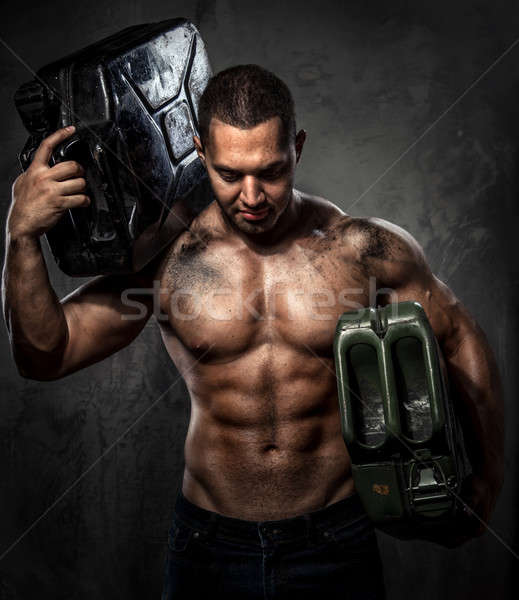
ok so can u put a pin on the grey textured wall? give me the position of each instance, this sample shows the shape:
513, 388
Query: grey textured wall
369, 79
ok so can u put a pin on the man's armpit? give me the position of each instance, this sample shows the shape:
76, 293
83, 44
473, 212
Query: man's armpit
442, 309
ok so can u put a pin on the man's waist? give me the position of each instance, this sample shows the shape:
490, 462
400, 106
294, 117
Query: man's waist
342, 513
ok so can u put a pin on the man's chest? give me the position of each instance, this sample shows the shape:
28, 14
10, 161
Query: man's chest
235, 301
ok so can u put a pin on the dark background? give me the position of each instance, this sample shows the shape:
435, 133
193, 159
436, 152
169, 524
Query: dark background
368, 79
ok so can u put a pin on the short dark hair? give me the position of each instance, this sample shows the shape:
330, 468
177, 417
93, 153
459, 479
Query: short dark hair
245, 96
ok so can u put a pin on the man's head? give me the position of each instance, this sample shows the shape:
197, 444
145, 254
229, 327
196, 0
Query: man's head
249, 145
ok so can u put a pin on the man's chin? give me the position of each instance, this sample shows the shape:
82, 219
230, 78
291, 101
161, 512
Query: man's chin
252, 227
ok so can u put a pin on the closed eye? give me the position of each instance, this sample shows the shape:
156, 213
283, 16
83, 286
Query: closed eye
269, 175
229, 176
273, 173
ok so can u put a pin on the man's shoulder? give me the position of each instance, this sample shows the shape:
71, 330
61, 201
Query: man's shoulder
387, 250
373, 238
369, 237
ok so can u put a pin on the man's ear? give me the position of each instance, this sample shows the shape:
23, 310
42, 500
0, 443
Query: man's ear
199, 149
300, 142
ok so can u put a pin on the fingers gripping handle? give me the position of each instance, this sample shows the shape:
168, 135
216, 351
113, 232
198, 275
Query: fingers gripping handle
76, 148
67, 150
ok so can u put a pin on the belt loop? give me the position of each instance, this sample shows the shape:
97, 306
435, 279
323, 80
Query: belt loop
309, 528
212, 525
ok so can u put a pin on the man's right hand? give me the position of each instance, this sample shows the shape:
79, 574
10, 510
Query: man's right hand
42, 193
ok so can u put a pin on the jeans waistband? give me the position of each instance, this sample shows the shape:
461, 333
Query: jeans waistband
343, 512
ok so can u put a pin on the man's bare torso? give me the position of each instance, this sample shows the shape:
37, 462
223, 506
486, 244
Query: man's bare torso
251, 331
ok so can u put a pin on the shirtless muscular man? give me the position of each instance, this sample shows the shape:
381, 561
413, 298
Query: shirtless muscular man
248, 299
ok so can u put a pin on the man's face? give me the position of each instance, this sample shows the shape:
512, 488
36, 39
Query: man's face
251, 172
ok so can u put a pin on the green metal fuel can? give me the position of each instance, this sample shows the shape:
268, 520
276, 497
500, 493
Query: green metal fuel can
398, 421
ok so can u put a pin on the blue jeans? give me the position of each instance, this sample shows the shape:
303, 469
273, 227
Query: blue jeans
328, 554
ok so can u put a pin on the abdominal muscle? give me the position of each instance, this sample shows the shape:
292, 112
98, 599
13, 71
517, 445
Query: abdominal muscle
250, 463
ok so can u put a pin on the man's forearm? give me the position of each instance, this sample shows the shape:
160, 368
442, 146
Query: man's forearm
33, 313
476, 385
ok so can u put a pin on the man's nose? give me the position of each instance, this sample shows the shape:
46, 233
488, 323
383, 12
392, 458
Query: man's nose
251, 192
